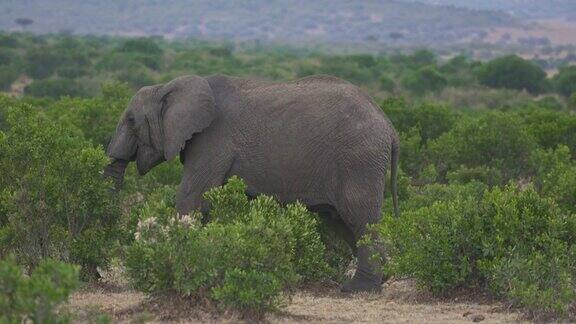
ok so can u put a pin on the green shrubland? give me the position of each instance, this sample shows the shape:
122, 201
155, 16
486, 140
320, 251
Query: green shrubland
487, 179
54, 202
35, 297
249, 254
63, 65
510, 240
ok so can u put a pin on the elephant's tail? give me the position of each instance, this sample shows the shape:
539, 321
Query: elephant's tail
394, 175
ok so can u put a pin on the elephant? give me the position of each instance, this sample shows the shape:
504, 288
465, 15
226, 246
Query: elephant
319, 140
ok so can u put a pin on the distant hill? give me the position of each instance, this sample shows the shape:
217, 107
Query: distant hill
531, 9
333, 21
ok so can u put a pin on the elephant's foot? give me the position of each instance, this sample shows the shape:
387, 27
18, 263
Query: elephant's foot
363, 283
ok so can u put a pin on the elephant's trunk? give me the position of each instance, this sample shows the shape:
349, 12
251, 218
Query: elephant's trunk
115, 170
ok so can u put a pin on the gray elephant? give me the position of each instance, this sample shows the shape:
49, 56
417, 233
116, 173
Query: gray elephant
319, 140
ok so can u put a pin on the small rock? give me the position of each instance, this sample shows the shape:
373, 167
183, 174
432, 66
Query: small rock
466, 313
477, 318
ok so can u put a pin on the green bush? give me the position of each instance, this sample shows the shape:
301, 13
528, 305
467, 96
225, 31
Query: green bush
432, 120
56, 88
572, 101
565, 81
8, 57
159, 203
422, 57
136, 77
35, 298
484, 174
55, 200
549, 128
478, 98
387, 83
511, 240
114, 61
244, 258
418, 124
512, 72
41, 62
71, 72
555, 175
458, 72
412, 152
96, 117
9, 40
426, 79
141, 45
497, 141
550, 102
424, 196
8, 75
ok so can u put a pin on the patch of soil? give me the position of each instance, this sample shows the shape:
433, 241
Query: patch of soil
400, 301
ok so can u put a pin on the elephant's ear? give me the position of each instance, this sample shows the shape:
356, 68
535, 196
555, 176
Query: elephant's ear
187, 108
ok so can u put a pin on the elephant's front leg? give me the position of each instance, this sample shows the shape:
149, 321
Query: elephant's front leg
201, 175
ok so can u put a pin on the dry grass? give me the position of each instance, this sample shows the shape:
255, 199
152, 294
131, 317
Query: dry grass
400, 302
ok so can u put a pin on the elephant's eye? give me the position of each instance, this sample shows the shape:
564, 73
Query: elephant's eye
130, 121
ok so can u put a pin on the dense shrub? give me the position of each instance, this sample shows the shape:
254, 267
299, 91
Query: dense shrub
555, 175
41, 62
572, 102
96, 117
136, 77
71, 72
244, 258
55, 201
432, 120
114, 61
413, 158
550, 103
422, 57
35, 298
418, 124
565, 81
481, 98
487, 175
550, 128
141, 45
424, 80
425, 196
9, 41
56, 88
512, 72
8, 74
494, 140
387, 83
520, 245
458, 71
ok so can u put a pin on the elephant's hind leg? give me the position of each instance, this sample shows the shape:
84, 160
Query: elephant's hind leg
358, 212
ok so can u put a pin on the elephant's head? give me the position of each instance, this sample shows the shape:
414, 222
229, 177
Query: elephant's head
158, 122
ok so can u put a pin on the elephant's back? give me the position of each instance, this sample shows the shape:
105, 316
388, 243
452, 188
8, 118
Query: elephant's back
297, 137
317, 95
312, 109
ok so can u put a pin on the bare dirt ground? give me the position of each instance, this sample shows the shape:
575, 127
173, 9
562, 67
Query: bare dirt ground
399, 302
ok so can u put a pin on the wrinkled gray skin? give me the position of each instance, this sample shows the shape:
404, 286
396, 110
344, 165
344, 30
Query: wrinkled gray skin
319, 140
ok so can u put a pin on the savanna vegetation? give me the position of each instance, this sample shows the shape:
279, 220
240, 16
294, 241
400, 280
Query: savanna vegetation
487, 188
